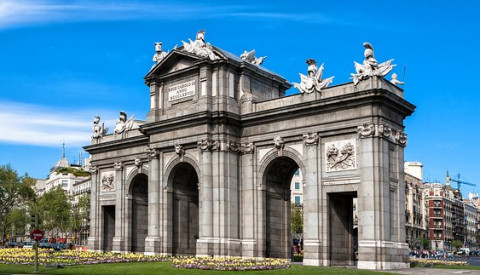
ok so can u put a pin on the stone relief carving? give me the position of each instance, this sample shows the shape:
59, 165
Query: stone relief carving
123, 124
199, 47
312, 82
250, 57
98, 129
138, 162
310, 138
108, 182
370, 66
340, 155
382, 130
395, 80
159, 54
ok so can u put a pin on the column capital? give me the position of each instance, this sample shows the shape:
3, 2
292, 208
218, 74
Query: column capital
118, 166
310, 138
153, 153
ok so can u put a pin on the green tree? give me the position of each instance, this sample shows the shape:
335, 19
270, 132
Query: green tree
296, 219
15, 191
457, 244
425, 243
54, 209
79, 216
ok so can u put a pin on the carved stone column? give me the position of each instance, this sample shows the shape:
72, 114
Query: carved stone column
312, 202
119, 239
205, 193
93, 243
379, 205
247, 197
153, 240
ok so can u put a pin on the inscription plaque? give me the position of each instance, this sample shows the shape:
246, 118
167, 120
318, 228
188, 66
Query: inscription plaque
181, 90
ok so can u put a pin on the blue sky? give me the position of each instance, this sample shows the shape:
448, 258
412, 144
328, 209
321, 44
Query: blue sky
63, 62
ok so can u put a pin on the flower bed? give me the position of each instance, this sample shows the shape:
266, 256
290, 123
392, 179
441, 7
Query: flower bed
432, 262
72, 257
229, 263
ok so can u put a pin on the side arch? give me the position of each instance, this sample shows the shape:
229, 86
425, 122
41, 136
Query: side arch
174, 162
272, 155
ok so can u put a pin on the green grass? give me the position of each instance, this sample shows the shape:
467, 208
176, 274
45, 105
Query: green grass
469, 267
166, 268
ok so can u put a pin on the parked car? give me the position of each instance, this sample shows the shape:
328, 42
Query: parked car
11, 244
28, 245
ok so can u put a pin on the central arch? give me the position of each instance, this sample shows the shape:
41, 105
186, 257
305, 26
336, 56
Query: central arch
277, 181
184, 207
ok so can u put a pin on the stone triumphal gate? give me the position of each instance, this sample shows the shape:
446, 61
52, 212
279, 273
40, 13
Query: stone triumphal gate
209, 171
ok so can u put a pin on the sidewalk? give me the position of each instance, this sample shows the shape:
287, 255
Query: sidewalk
435, 271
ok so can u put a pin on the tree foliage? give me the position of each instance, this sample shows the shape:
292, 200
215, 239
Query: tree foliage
296, 219
425, 243
80, 214
457, 244
75, 172
54, 209
15, 192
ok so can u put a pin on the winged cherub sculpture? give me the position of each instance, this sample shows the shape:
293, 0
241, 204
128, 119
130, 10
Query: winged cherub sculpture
314, 81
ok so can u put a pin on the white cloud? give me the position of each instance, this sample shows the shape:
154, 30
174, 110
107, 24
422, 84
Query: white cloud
40, 126
15, 13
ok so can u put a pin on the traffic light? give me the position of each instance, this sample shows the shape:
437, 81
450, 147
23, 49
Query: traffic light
33, 219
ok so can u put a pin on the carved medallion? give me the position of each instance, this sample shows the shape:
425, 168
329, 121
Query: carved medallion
108, 182
340, 155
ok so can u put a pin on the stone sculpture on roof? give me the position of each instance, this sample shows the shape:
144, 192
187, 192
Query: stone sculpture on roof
199, 47
395, 80
98, 129
370, 66
123, 124
314, 81
250, 57
159, 54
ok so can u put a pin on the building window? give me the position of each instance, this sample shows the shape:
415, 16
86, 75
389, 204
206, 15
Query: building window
297, 173
297, 185
64, 183
297, 200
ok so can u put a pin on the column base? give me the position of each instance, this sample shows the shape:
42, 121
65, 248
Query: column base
249, 248
152, 245
118, 245
313, 253
393, 255
93, 244
218, 247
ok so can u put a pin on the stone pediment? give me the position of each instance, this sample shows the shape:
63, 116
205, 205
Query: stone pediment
174, 61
